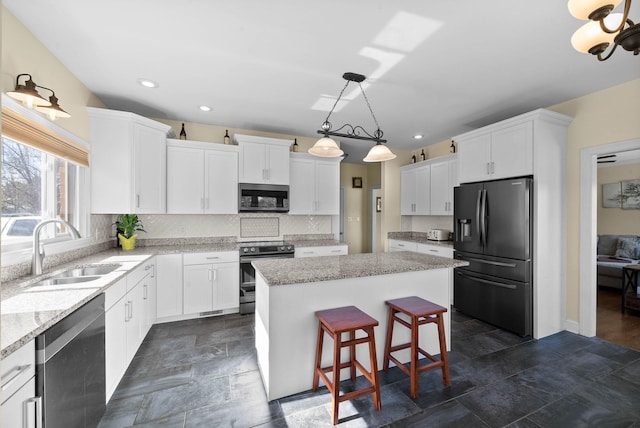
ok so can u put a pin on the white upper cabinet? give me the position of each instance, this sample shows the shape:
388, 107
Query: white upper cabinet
315, 185
263, 160
128, 163
202, 178
498, 152
415, 189
427, 187
444, 177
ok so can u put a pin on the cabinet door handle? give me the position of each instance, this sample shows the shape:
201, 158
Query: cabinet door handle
488, 169
336, 251
38, 403
137, 201
145, 293
215, 274
210, 275
493, 167
19, 370
213, 258
126, 312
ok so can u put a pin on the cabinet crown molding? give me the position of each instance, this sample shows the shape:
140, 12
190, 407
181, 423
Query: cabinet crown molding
535, 115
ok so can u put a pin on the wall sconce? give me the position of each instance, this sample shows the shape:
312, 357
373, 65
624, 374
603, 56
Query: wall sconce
29, 96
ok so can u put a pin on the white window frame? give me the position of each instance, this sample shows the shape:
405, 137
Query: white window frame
23, 254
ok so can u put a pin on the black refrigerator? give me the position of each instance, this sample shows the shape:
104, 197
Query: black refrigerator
493, 232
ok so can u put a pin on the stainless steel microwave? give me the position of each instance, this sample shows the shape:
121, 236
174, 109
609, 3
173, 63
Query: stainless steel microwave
254, 198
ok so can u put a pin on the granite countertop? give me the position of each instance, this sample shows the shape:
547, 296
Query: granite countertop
419, 237
27, 309
316, 269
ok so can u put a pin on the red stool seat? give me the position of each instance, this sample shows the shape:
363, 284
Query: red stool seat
420, 312
334, 322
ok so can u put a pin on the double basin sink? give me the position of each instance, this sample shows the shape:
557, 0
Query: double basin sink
79, 275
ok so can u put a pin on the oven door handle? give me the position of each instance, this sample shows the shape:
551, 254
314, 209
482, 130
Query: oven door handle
251, 259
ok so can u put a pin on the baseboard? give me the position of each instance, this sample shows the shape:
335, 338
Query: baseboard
572, 326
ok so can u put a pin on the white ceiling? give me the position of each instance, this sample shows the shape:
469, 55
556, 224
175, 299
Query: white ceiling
434, 68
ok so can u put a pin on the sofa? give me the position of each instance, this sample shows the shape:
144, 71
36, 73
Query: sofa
615, 252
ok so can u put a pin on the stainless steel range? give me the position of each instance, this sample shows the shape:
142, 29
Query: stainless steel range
250, 251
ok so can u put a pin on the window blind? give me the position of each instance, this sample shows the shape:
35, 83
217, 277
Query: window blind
26, 131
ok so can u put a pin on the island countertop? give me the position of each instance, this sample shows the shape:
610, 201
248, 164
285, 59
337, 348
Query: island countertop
314, 269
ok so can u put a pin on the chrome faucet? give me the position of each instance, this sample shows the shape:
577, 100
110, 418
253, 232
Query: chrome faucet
38, 253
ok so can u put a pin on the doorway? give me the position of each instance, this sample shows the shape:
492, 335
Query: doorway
588, 230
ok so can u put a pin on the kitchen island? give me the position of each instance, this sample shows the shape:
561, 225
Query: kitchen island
289, 291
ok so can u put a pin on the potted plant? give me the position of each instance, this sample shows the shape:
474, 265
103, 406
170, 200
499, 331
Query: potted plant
126, 226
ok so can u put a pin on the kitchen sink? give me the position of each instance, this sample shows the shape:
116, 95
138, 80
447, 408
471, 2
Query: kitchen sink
66, 280
87, 271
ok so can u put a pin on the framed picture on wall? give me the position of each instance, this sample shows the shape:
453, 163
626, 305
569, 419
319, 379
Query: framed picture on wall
612, 195
631, 195
378, 204
356, 182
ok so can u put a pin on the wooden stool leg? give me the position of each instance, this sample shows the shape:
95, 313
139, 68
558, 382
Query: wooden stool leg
373, 365
316, 370
414, 357
335, 393
387, 343
352, 355
443, 351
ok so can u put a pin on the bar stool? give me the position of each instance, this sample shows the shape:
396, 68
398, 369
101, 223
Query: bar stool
420, 311
334, 322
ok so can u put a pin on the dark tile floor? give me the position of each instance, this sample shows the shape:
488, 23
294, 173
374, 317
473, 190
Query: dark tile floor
203, 373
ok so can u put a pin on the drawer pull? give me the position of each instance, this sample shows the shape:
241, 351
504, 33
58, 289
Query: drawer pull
19, 370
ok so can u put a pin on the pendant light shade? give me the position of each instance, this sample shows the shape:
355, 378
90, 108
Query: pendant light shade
326, 148
581, 9
27, 93
379, 153
54, 110
605, 31
590, 35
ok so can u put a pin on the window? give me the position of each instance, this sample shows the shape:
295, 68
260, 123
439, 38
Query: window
36, 185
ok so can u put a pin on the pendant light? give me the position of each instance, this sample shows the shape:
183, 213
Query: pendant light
327, 147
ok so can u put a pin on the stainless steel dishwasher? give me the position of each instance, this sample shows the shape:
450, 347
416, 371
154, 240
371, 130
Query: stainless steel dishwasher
70, 372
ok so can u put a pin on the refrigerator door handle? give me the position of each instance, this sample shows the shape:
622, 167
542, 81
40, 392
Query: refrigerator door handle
478, 216
488, 262
483, 217
489, 282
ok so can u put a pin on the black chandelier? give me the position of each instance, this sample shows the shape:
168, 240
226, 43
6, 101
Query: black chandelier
327, 147
605, 28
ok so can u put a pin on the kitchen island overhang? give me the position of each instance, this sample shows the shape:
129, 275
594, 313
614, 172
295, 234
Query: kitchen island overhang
290, 291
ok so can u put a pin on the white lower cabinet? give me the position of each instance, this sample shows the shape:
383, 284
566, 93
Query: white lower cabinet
436, 250
130, 312
20, 406
211, 282
328, 250
397, 245
169, 285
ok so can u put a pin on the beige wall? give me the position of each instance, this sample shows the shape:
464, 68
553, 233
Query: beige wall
602, 117
23, 53
357, 222
616, 220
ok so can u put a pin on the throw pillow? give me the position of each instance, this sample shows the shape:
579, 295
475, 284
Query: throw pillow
628, 247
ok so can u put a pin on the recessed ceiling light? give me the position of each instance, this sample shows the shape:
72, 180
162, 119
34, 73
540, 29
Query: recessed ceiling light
205, 108
148, 83
417, 136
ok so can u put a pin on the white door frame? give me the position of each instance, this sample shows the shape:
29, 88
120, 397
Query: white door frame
589, 229
374, 223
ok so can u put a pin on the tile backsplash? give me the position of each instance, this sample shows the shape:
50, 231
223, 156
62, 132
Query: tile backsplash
245, 226
423, 223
